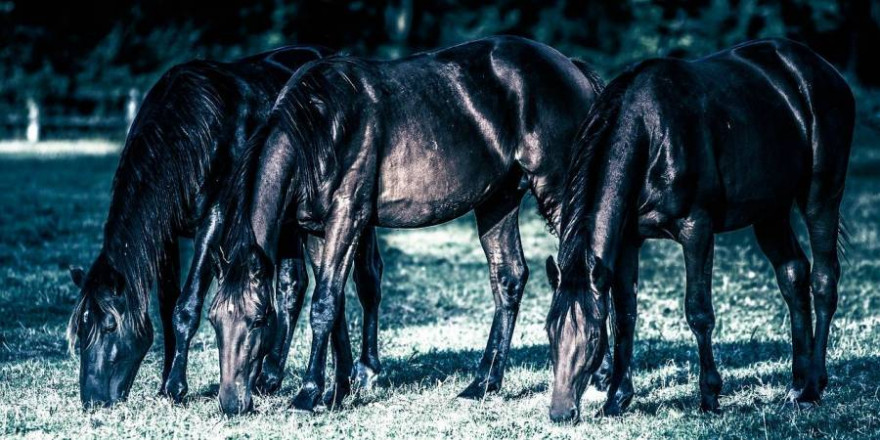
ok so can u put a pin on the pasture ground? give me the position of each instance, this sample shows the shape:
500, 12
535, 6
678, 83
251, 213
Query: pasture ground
436, 313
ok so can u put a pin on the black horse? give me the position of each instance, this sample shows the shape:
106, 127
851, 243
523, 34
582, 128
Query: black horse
354, 143
683, 150
189, 133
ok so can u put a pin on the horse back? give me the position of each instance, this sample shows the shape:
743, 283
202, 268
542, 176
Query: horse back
463, 120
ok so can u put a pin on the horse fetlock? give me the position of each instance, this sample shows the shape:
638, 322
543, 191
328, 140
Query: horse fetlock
809, 395
364, 376
269, 381
711, 383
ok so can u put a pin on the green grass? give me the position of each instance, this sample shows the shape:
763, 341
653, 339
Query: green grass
436, 313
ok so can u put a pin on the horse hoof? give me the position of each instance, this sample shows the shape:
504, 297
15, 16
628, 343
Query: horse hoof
808, 397
610, 410
478, 390
267, 384
364, 377
710, 405
306, 399
623, 401
176, 390
333, 398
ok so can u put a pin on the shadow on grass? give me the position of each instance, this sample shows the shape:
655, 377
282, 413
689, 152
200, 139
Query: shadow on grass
842, 386
439, 365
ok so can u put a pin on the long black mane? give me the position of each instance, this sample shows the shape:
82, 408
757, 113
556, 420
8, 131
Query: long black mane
583, 174
167, 153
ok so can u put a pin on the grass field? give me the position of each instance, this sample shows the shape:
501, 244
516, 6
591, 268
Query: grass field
436, 313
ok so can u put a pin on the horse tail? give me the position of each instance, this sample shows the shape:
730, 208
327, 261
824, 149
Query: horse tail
844, 239
595, 80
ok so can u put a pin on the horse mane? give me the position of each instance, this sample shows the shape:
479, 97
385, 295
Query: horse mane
583, 173
310, 112
596, 81
166, 157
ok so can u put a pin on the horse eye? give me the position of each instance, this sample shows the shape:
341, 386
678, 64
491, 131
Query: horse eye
259, 322
109, 327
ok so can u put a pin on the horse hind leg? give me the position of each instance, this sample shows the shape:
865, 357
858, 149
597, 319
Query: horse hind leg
822, 218
696, 237
779, 244
498, 225
367, 275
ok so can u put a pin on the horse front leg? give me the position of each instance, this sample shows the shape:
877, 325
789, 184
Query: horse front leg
168, 284
349, 214
624, 289
498, 225
339, 338
290, 291
698, 241
188, 311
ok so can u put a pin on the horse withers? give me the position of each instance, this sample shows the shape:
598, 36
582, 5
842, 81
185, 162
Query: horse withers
683, 150
189, 132
355, 143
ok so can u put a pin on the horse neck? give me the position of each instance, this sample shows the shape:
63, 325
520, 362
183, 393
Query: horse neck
613, 200
272, 178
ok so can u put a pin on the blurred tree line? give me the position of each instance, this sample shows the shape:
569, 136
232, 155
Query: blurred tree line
77, 54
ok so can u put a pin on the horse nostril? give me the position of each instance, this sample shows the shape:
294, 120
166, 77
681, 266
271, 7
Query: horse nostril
564, 416
232, 404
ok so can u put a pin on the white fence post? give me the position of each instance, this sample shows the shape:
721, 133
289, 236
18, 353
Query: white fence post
33, 128
131, 107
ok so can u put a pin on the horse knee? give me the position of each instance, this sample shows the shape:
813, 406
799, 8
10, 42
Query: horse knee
700, 320
794, 280
824, 287
511, 281
291, 292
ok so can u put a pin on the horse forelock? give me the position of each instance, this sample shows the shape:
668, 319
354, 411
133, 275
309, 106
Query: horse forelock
126, 322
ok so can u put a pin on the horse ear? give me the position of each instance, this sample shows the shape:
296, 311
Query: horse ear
78, 275
552, 273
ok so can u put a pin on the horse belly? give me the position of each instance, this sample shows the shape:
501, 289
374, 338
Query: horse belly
424, 184
757, 187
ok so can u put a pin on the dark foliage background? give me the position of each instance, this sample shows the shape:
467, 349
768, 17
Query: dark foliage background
85, 57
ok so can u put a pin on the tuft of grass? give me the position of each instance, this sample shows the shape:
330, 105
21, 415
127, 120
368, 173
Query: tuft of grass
435, 318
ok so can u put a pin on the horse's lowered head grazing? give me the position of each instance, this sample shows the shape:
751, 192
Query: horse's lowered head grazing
577, 332
112, 335
243, 316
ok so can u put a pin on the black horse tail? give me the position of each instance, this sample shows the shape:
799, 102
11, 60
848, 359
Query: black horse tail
595, 80
844, 239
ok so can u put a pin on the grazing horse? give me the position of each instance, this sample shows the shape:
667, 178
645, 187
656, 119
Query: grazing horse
188, 135
353, 143
683, 150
